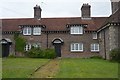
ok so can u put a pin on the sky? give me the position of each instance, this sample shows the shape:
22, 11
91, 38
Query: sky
52, 8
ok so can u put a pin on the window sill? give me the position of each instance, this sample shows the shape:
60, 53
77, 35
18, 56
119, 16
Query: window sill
76, 51
27, 34
76, 33
94, 51
36, 34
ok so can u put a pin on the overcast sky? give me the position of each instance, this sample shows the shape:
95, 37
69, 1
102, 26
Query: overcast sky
52, 8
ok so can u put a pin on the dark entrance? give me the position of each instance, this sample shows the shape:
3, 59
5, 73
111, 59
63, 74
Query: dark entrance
5, 47
58, 49
57, 44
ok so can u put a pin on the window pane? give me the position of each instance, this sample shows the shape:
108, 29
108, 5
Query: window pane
77, 30
94, 35
37, 31
76, 46
92, 46
81, 46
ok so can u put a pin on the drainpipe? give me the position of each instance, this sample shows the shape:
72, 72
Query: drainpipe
47, 40
104, 44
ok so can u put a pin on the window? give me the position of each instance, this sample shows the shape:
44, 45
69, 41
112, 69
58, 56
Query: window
76, 30
100, 35
76, 47
36, 45
26, 31
94, 35
36, 31
27, 47
94, 47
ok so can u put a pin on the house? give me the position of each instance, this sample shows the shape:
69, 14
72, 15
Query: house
70, 36
109, 32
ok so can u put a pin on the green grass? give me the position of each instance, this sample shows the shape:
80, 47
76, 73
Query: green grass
20, 67
87, 68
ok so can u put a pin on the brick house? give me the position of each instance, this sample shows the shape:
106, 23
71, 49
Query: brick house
70, 36
109, 33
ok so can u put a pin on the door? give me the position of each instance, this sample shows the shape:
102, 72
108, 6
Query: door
58, 49
5, 50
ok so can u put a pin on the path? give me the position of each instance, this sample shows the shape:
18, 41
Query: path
47, 71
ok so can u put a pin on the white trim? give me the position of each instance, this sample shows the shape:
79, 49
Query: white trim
27, 31
37, 31
73, 47
76, 30
28, 47
94, 35
94, 47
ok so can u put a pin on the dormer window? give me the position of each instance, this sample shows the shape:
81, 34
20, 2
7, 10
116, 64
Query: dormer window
76, 30
94, 35
37, 31
27, 31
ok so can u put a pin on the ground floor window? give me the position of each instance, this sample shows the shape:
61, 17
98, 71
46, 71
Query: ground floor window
28, 47
76, 46
95, 47
36, 45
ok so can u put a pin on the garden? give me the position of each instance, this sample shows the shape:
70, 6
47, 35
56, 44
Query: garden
66, 68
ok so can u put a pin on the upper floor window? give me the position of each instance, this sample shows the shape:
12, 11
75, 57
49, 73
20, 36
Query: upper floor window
76, 30
36, 31
95, 47
27, 31
77, 47
94, 35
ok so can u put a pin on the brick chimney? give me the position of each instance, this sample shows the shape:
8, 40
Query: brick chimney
86, 11
37, 12
114, 5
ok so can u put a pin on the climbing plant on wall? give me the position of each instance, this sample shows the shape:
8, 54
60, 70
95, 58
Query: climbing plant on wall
19, 43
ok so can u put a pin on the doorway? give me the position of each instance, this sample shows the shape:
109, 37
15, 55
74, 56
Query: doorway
58, 42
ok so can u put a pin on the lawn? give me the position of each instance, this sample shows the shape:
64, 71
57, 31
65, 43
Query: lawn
87, 68
20, 67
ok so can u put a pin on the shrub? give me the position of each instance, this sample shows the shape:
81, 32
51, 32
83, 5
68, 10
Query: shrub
41, 53
19, 43
115, 55
96, 57
49, 53
34, 53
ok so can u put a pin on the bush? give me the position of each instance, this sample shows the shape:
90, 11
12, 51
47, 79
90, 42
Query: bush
115, 55
96, 57
40, 53
49, 53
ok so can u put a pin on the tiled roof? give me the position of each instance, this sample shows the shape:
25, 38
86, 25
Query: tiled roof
52, 23
114, 18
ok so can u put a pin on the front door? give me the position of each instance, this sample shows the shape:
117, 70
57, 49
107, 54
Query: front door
5, 50
58, 49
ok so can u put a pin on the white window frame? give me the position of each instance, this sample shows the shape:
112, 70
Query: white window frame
27, 31
36, 45
28, 47
100, 35
37, 31
94, 35
77, 47
95, 47
76, 30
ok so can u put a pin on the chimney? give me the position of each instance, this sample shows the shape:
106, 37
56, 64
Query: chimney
37, 12
114, 5
86, 11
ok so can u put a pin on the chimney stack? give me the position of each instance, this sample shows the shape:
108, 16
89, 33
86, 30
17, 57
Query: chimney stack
86, 11
37, 12
114, 5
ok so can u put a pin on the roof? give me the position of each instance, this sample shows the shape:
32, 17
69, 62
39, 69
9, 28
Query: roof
113, 18
52, 23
